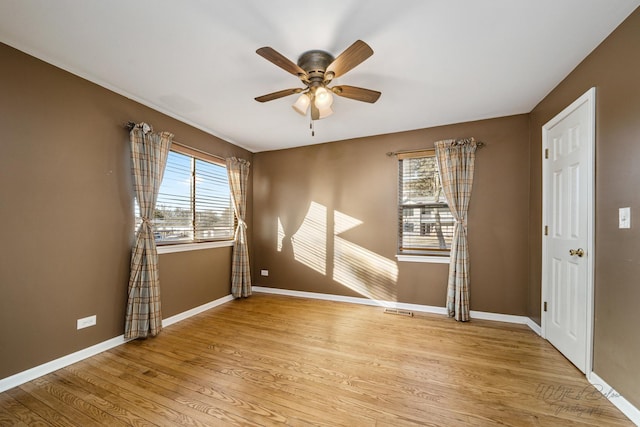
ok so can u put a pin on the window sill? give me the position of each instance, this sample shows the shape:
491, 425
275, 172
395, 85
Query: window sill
432, 259
186, 247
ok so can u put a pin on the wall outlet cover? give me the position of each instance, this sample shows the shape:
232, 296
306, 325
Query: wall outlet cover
624, 218
85, 322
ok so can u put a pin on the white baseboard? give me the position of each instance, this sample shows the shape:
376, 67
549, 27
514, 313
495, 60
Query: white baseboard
498, 317
46, 368
197, 310
614, 397
352, 300
534, 326
508, 318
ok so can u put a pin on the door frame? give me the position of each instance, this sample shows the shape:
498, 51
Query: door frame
589, 97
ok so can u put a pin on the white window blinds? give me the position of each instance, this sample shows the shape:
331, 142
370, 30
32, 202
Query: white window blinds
194, 202
425, 221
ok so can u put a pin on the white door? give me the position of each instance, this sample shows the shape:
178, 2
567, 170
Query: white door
567, 254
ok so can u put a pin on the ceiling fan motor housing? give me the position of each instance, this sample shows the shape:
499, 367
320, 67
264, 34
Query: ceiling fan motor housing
315, 63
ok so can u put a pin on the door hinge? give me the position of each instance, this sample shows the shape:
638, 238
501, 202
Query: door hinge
546, 153
545, 306
546, 230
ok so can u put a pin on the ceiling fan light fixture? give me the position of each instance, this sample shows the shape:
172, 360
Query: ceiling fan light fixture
325, 112
302, 104
323, 98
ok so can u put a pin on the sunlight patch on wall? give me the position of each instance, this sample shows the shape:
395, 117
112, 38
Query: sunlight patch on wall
363, 271
343, 222
360, 269
310, 241
280, 235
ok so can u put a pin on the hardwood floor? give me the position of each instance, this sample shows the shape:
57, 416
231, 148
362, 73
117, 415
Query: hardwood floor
275, 360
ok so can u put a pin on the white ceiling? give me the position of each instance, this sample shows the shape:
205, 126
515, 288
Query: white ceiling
436, 62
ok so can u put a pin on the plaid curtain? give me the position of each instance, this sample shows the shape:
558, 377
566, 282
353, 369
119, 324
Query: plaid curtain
238, 171
455, 165
149, 153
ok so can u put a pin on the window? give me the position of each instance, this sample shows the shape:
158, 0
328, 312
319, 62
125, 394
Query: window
425, 221
194, 201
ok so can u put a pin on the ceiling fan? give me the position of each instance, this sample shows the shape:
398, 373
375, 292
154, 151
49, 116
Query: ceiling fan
316, 69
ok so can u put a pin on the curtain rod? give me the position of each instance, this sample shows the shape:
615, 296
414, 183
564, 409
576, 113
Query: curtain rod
479, 144
131, 125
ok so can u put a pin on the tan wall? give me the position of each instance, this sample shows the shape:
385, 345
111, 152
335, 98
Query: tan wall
613, 69
66, 210
358, 179
190, 279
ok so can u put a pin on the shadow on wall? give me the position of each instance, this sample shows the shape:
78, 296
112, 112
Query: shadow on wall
361, 270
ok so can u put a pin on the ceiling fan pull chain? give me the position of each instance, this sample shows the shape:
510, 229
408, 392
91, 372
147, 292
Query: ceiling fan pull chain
312, 127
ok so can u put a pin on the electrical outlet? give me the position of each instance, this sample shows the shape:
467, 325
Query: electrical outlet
624, 218
264, 273
85, 322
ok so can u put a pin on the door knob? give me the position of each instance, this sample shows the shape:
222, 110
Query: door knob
578, 252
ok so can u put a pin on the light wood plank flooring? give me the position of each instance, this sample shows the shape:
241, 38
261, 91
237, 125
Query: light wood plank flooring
275, 360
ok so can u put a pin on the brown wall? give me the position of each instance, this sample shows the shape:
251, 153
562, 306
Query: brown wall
613, 68
358, 179
190, 279
66, 210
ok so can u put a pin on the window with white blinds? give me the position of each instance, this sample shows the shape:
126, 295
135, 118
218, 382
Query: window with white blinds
194, 202
425, 221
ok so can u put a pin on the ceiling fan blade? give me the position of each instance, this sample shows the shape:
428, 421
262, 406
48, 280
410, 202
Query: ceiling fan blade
350, 58
315, 113
281, 61
278, 94
357, 93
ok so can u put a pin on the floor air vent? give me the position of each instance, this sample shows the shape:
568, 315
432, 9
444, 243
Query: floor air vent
399, 312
